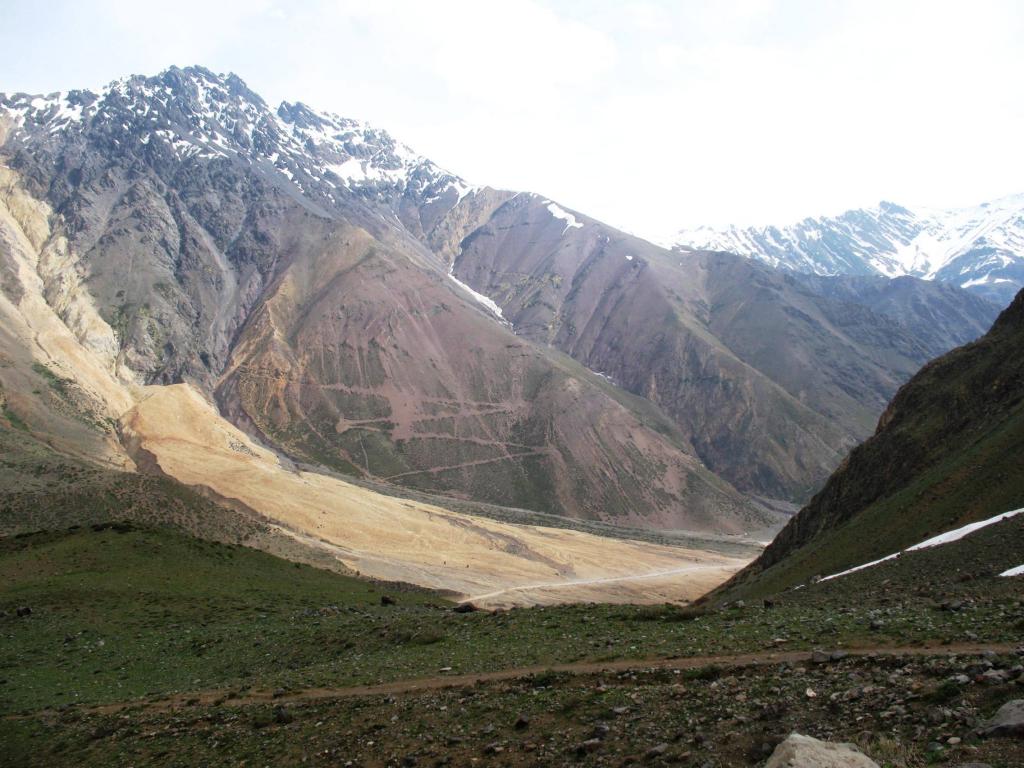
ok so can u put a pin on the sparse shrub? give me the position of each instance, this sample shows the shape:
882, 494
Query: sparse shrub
944, 692
667, 612
706, 673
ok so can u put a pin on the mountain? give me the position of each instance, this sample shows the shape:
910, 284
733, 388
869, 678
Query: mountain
770, 377
980, 249
353, 304
948, 451
272, 259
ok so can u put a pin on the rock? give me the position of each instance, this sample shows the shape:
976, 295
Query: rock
838, 655
387, 600
282, 716
740, 604
493, 749
1007, 721
656, 751
522, 723
601, 730
798, 751
588, 746
465, 608
24, 611
820, 657
995, 677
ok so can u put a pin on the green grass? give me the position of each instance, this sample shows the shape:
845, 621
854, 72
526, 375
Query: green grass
980, 480
57, 383
14, 419
120, 614
121, 611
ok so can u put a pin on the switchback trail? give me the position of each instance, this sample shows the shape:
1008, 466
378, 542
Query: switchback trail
228, 697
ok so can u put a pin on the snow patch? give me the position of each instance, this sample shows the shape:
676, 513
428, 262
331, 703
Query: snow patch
935, 541
860, 567
487, 301
1018, 571
959, 533
560, 213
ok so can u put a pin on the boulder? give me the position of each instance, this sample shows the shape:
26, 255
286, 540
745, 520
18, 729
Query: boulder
799, 751
1007, 721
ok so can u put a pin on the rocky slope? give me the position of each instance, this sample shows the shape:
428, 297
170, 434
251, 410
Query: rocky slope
980, 248
772, 378
75, 438
947, 451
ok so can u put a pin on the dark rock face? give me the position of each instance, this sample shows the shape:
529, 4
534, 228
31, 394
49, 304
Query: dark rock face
174, 192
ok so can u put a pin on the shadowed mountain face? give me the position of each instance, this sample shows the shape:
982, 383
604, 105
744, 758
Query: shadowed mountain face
949, 450
352, 303
772, 377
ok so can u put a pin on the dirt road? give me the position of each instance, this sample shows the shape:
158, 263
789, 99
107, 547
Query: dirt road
440, 682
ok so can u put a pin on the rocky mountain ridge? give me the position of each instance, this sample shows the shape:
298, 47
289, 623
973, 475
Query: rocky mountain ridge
213, 241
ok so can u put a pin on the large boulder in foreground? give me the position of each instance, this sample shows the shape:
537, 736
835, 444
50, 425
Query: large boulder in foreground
807, 752
1007, 721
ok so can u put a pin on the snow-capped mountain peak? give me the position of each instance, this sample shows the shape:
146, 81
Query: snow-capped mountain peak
195, 114
980, 248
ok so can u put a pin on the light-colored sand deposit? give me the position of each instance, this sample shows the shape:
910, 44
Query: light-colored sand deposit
395, 539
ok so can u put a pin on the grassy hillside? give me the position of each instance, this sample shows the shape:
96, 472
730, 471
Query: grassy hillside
949, 450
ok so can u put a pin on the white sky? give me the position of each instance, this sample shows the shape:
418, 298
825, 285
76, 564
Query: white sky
648, 115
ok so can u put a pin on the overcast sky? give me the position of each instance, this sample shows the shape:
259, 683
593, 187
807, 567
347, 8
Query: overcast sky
648, 115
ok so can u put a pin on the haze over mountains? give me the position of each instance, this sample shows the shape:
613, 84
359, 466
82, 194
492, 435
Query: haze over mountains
350, 302
323, 444
980, 249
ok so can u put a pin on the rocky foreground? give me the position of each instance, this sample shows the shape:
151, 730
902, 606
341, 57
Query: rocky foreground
883, 709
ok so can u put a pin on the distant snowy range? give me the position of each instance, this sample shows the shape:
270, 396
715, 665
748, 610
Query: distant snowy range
979, 248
